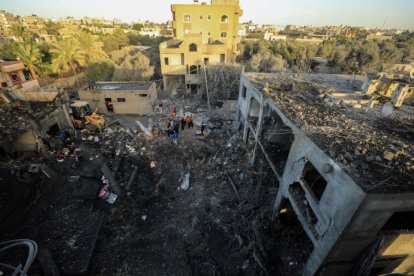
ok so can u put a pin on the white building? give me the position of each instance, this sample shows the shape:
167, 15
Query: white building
152, 32
273, 37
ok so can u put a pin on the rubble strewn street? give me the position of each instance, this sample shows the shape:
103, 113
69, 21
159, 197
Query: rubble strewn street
220, 224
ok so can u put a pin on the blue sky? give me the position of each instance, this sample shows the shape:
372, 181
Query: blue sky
370, 13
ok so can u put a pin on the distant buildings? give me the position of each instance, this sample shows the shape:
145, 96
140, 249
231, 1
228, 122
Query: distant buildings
7, 20
273, 37
152, 32
203, 35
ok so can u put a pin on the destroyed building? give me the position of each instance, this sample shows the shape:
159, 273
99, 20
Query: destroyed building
120, 97
27, 116
346, 172
15, 74
383, 86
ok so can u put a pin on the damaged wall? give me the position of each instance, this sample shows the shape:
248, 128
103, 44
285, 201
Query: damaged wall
21, 124
123, 101
26, 142
375, 216
335, 212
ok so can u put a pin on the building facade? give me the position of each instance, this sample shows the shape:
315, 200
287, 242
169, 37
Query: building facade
203, 35
351, 211
121, 97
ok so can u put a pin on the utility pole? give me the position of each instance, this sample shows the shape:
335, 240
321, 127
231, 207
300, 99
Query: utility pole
208, 96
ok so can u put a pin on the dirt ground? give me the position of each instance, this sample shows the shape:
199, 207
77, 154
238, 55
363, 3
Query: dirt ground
156, 228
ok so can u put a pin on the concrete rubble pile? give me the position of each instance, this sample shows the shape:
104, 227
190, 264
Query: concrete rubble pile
17, 116
118, 141
229, 224
13, 122
370, 147
41, 110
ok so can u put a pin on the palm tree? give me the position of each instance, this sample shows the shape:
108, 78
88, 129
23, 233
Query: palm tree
91, 48
18, 30
30, 55
21, 32
67, 54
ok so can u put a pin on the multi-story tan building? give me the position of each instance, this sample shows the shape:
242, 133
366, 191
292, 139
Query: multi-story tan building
204, 34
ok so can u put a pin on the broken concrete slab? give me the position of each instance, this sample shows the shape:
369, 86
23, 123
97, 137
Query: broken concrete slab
49, 172
147, 131
112, 182
132, 178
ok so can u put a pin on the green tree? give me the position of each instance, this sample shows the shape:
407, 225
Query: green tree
21, 32
223, 81
8, 50
53, 28
121, 37
67, 54
389, 53
264, 61
137, 26
134, 39
30, 55
364, 57
405, 42
134, 68
91, 48
45, 54
119, 56
109, 43
100, 71
115, 41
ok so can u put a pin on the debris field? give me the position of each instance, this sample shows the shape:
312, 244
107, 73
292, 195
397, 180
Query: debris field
196, 208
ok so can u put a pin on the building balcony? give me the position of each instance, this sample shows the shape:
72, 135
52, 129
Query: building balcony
174, 69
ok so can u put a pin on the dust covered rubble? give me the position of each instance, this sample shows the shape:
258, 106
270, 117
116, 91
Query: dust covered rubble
367, 146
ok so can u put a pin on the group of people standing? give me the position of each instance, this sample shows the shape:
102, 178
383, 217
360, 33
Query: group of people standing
174, 124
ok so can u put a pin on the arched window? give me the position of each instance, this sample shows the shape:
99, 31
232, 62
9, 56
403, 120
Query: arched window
193, 47
223, 35
224, 19
209, 17
193, 69
187, 18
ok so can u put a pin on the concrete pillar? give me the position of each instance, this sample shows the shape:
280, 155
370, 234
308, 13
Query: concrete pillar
258, 133
246, 122
238, 113
245, 131
259, 128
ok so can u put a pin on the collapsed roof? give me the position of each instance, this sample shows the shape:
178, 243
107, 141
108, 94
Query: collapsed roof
377, 152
